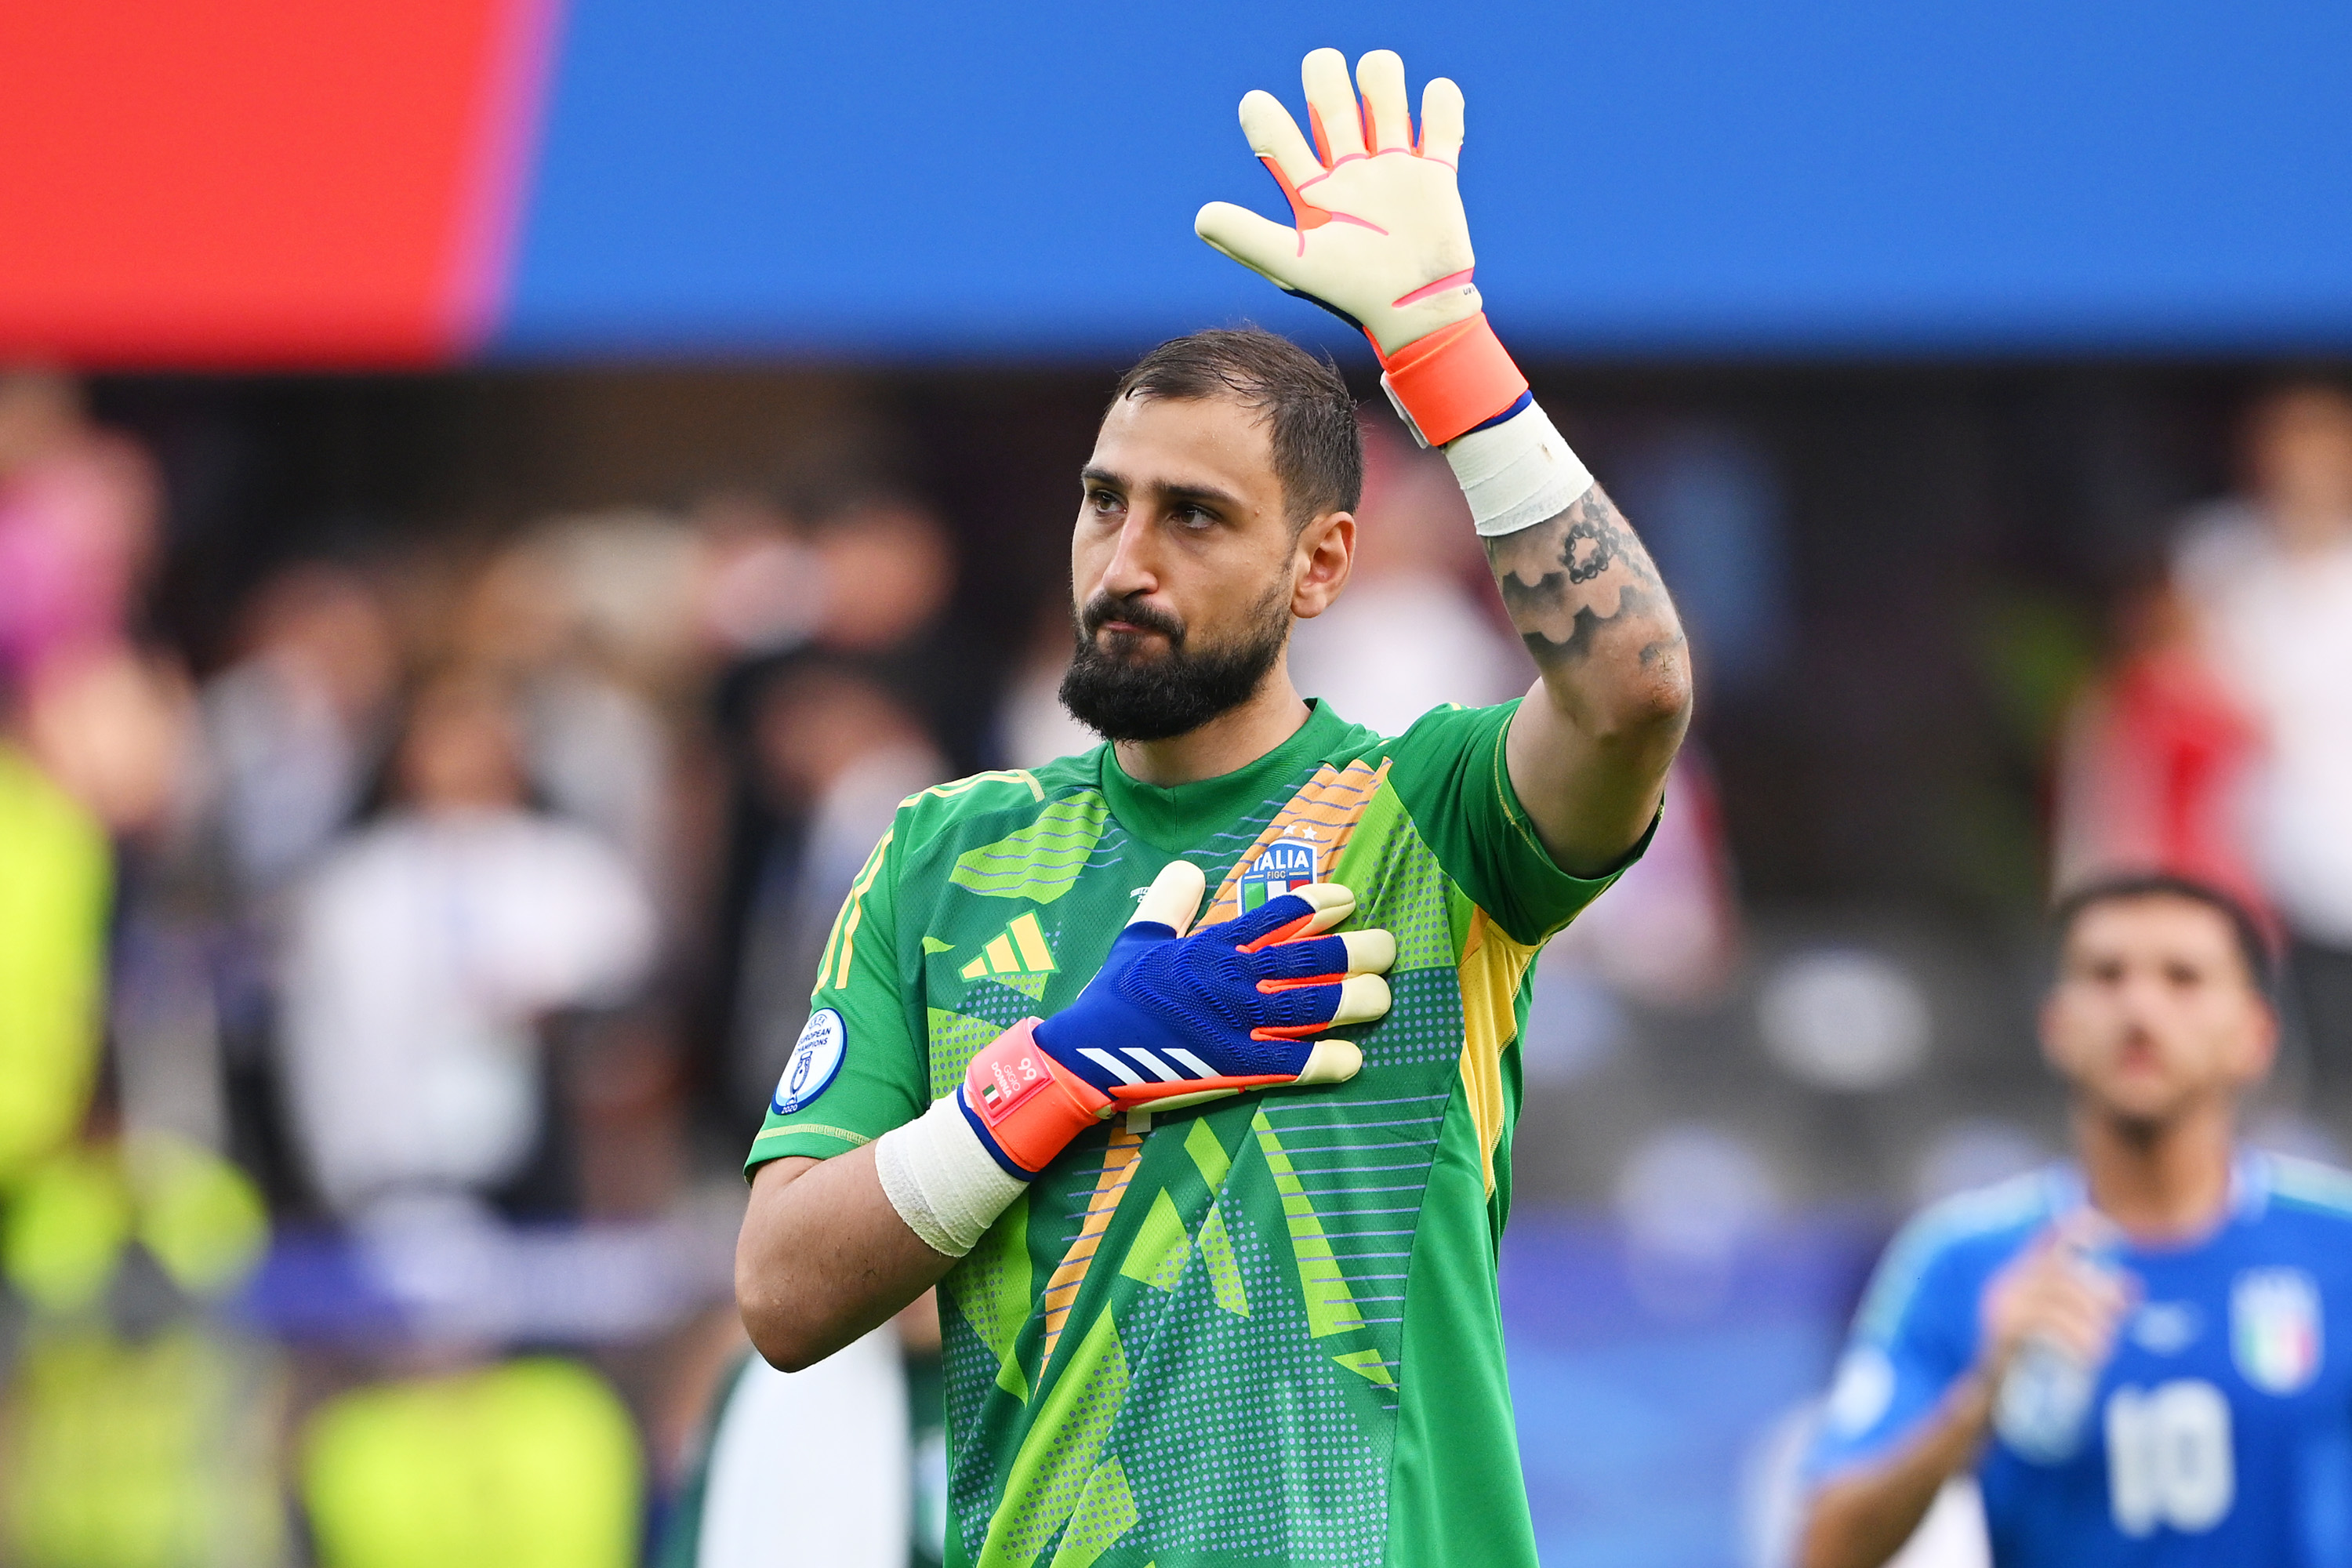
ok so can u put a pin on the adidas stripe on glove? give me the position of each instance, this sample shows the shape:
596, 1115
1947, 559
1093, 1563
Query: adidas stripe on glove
1169, 1020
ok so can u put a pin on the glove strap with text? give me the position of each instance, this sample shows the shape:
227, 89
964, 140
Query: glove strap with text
1026, 1108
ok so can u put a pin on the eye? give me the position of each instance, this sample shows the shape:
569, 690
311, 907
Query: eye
1103, 500
1195, 519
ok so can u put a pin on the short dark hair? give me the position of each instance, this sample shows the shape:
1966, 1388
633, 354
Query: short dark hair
1319, 450
2253, 946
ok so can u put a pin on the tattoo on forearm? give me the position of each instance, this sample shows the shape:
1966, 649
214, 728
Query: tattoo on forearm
1568, 582
1597, 538
1583, 630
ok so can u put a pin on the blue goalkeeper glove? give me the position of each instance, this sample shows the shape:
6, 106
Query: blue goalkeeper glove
1172, 1020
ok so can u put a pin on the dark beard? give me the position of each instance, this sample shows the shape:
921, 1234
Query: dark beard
1151, 699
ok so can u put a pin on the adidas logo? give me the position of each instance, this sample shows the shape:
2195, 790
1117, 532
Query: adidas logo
1020, 949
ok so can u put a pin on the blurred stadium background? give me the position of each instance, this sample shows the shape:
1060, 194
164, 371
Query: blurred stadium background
500, 498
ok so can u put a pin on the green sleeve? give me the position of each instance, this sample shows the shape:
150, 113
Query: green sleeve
881, 1081
1449, 771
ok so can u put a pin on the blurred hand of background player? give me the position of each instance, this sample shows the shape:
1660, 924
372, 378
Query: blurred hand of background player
2053, 1292
1380, 235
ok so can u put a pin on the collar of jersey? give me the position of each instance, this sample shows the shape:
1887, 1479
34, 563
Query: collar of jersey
2251, 1179
1180, 817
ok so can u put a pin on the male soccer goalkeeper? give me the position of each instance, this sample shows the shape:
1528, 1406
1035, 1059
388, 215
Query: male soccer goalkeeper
1214, 1214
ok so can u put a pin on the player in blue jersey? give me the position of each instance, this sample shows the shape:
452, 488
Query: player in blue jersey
2146, 1356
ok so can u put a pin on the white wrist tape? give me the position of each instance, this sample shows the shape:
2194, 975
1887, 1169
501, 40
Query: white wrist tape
1517, 473
942, 1180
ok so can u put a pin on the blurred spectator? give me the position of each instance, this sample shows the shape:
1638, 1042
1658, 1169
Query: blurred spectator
628, 582
2155, 759
887, 572
293, 730
78, 531
760, 589
53, 915
882, 572
547, 618
1413, 630
93, 738
2270, 572
77, 526
873, 577
425, 947
838, 752
112, 726
591, 622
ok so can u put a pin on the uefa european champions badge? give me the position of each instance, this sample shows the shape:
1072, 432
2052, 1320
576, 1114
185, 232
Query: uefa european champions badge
2275, 1328
809, 1071
1287, 864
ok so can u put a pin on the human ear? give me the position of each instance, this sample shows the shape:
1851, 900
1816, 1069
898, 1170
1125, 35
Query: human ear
2258, 1047
1320, 563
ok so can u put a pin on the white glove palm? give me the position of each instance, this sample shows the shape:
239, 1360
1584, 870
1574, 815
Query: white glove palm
1380, 238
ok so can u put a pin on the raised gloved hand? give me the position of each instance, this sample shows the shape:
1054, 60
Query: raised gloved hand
1171, 1020
1379, 237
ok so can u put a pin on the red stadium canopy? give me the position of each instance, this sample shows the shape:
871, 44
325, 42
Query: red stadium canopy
258, 180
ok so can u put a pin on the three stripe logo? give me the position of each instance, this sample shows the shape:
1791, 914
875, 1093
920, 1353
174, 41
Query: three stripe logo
1154, 1063
1019, 948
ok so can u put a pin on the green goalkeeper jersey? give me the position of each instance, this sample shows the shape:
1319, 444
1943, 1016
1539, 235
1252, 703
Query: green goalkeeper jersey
1263, 1331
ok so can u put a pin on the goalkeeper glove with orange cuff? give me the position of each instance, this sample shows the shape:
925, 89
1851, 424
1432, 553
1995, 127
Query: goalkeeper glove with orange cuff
1168, 1021
1378, 237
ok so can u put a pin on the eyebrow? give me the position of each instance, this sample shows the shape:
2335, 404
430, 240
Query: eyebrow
1208, 494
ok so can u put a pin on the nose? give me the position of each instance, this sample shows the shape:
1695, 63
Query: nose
2141, 1002
1133, 566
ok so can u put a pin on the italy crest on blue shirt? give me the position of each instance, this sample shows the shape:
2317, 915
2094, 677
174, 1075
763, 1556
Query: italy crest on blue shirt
2275, 1328
1286, 864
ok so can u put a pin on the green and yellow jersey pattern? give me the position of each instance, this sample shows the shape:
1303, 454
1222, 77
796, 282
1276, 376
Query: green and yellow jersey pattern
1263, 1331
